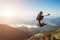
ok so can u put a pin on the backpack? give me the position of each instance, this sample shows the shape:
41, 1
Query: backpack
39, 17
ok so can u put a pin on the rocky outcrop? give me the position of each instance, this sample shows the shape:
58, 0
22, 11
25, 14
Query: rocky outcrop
42, 37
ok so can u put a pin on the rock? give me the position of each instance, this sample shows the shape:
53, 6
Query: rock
42, 37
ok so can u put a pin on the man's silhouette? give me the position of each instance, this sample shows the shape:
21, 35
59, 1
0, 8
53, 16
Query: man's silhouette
40, 17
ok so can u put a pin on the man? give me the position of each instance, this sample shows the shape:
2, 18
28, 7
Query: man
40, 17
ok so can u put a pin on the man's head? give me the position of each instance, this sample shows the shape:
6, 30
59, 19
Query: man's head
41, 12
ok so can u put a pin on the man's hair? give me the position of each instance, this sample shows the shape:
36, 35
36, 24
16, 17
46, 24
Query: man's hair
41, 12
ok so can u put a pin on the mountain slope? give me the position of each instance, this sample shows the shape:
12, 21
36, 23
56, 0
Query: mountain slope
10, 33
57, 32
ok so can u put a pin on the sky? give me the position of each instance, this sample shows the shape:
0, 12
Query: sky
29, 9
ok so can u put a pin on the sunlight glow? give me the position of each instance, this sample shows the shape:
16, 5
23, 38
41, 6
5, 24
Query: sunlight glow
8, 13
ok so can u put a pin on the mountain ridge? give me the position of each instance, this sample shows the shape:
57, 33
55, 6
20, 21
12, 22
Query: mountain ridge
10, 33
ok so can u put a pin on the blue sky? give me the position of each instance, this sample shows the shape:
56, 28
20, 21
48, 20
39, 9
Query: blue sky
29, 9
47, 6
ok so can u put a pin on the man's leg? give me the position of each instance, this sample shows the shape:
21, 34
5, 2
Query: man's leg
39, 22
42, 24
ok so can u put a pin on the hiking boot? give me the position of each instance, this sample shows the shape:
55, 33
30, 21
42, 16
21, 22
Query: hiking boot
42, 24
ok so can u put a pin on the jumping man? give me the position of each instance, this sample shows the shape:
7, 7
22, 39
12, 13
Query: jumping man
40, 18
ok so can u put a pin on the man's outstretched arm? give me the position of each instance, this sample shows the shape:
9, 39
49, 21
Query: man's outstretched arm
46, 15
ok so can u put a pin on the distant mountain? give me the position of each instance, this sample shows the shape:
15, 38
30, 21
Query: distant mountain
10, 33
52, 25
33, 30
23, 28
42, 30
51, 20
56, 21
